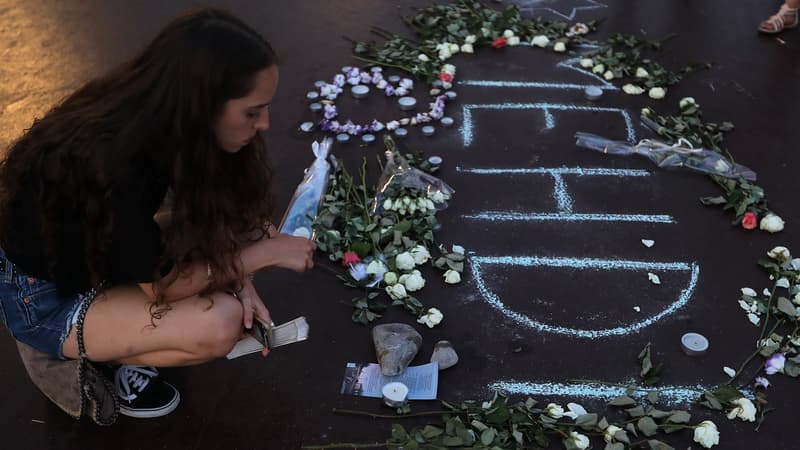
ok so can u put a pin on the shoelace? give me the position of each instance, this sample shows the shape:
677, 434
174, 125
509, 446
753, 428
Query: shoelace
131, 380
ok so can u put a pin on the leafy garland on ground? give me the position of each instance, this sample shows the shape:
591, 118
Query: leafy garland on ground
445, 30
745, 198
382, 237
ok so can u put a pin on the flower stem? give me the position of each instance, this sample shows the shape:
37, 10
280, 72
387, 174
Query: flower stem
754, 354
769, 309
381, 63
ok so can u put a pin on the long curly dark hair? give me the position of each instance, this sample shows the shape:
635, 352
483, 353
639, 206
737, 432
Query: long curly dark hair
158, 109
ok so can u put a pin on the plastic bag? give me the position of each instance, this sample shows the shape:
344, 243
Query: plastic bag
679, 155
400, 181
303, 209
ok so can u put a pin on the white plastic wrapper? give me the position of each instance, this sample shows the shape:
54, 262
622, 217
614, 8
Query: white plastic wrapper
669, 156
303, 209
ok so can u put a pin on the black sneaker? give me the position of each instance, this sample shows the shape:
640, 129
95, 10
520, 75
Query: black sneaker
142, 394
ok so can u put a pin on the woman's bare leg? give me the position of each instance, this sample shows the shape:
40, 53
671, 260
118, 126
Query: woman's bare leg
118, 328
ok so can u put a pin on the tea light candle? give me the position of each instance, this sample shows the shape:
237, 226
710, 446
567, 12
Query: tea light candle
319, 83
342, 137
368, 138
407, 103
435, 160
376, 69
450, 95
393, 79
694, 344
395, 394
446, 121
312, 95
307, 126
401, 132
593, 92
359, 91
346, 69
428, 130
316, 107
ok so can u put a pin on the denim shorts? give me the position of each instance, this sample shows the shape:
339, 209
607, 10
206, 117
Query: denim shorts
33, 311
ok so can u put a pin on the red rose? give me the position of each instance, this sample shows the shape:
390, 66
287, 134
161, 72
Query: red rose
749, 221
499, 42
446, 77
350, 258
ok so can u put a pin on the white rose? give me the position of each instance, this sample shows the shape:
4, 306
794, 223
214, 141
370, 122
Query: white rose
397, 291
467, 48
780, 254
796, 299
559, 47
608, 434
782, 283
631, 89
413, 282
432, 318
449, 68
404, 261
749, 292
471, 39
429, 205
508, 34
390, 278
452, 277
437, 197
458, 249
579, 441
554, 410
587, 62
420, 254
575, 411
454, 48
387, 204
744, 410
657, 93
641, 73
771, 223
486, 32
513, 41
706, 434
686, 101
376, 267
445, 53
423, 57
608, 75
598, 69
540, 41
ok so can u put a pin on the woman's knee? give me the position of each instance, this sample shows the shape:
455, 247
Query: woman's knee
219, 326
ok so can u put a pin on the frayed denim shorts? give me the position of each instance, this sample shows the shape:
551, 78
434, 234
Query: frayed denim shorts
33, 311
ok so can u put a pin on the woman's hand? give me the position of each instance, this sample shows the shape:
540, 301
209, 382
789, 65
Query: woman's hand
294, 253
252, 304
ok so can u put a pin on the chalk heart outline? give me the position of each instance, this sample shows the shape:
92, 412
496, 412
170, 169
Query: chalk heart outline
477, 264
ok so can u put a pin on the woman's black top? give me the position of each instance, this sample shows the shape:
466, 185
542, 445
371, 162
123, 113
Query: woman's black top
132, 256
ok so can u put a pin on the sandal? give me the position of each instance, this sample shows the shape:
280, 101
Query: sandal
784, 19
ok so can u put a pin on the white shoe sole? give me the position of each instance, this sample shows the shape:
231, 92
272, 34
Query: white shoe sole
155, 412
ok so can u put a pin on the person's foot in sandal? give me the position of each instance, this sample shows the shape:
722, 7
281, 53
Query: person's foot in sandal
785, 18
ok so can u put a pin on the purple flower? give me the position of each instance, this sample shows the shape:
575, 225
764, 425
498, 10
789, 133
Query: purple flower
325, 125
334, 126
400, 91
407, 83
376, 77
763, 382
389, 90
375, 126
353, 72
775, 364
366, 77
330, 111
338, 80
354, 80
423, 117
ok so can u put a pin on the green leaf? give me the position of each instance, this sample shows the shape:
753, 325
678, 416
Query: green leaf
614, 446
647, 426
658, 414
652, 397
680, 417
586, 421
622, 400
635, 412
487, 437
430, 432
622, 436
791, 368
785, 306
452, 441
711, 401
727, 393
658, 445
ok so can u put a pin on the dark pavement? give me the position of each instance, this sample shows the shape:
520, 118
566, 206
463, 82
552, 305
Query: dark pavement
49, 48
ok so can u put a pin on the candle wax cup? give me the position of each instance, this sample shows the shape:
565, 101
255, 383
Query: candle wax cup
342, 137
394, 79
428, 130
593, 92
346, 69
312, 95
435, 160
694, 344
368, 138
315, 107
401, 132
359, 91
450, 95
395, 394
307, 126
319, 84
407, 103
376, 69
447, 121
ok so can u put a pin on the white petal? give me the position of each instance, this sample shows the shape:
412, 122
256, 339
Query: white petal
728, 371
648, 242
766, 292
653, 278
783, 283
637, 309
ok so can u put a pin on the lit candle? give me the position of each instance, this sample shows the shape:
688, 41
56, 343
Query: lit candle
395, 394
